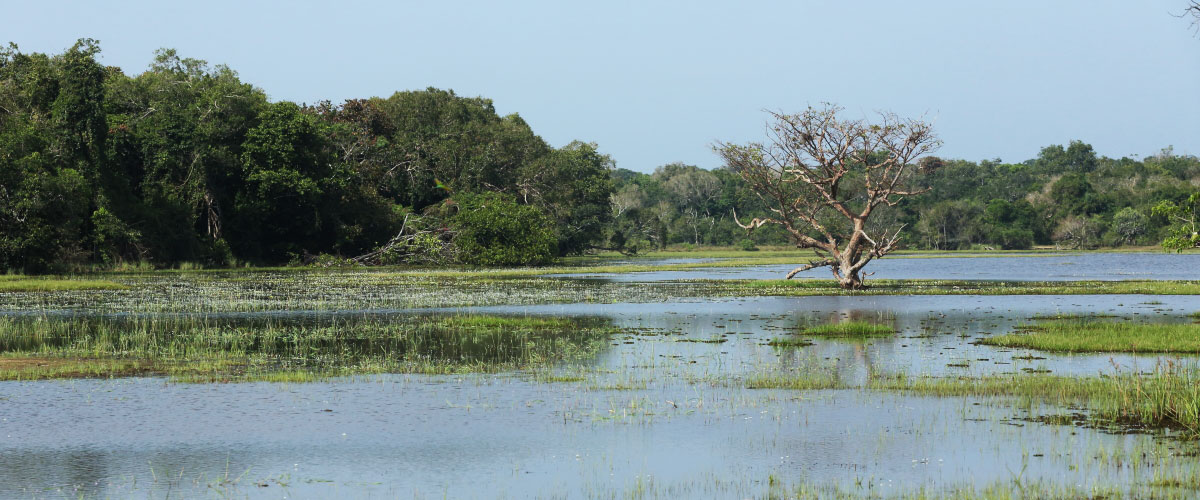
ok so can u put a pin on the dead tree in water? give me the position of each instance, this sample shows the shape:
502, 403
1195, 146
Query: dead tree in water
823, 177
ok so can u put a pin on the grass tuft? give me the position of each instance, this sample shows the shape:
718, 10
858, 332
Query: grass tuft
1095, 335
849, 329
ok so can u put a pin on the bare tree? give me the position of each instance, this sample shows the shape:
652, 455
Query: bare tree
823, 177
1193, 11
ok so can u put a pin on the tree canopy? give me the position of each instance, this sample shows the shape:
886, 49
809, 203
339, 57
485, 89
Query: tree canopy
186, 162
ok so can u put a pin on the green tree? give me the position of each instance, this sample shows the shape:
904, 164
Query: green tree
288, 171
1130, 224
1183, 232
572, 185
177, 135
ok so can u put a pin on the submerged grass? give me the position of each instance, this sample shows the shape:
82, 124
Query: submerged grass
1099, 335
200, 348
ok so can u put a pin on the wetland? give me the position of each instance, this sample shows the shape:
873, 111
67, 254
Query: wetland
679, 377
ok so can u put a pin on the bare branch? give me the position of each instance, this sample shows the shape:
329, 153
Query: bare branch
811, 265
802, 172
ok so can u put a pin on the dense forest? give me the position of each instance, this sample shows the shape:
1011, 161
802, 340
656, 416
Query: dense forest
185, 162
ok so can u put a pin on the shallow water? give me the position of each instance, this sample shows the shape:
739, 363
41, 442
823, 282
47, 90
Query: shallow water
496, 436
654, 413
1074, 267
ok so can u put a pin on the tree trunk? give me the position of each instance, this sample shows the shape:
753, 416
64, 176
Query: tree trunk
848, 277
853, 281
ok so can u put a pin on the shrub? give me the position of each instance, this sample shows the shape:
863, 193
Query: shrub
747, 245
496, 231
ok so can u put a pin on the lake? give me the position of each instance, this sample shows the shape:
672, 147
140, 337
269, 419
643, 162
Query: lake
662, 409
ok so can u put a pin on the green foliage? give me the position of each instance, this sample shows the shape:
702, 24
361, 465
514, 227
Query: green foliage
114, 237
571, 185
287, 175
186, 163
493, 230
1183, 232
1130, 224
747, 245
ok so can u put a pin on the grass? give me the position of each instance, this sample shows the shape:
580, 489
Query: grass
849, 329
213, 349
789, 342
19, 283
1168, 397
1099, 335
808, 380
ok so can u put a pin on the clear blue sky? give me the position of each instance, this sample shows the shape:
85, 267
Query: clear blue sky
657, 82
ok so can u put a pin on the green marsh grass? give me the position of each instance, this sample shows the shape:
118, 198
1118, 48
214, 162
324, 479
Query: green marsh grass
19, 283
849, 329
789, 342
206, 348
1168, 397
1079, 334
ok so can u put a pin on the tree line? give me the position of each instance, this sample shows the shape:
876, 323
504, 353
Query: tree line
185, 162
1068, 197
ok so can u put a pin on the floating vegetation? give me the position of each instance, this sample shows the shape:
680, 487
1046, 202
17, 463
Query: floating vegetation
200, 348
1098, 335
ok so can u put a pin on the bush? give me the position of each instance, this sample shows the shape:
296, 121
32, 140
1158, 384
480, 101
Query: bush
747, 245
1015, 239
496, 231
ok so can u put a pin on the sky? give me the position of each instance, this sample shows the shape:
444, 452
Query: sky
659, 82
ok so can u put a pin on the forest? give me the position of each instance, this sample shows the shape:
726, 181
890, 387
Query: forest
185, 163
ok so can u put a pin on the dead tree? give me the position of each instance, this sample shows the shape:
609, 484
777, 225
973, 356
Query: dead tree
413, 245
823, 177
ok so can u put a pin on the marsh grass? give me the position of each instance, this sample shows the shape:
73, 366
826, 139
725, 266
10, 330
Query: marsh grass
849, 329
789, 342
1083, 334
19, 283
1168, 397
807, 380
201, 348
